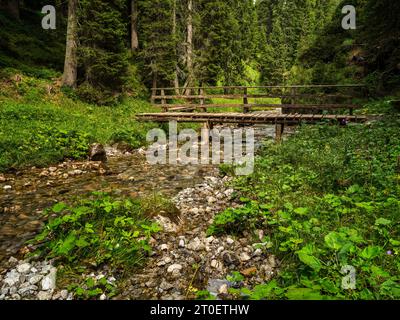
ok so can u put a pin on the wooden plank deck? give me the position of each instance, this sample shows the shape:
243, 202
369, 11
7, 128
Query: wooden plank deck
248, 118
252, 106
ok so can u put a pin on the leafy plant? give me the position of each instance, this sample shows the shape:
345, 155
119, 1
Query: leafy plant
96, 231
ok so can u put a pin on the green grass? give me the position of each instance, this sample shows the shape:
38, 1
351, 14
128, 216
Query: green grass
38, 129
240, 101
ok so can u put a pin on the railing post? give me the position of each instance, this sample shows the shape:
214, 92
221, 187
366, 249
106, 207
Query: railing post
163, 101
292, 93
202, 102
153, 94
245, 101
279, 130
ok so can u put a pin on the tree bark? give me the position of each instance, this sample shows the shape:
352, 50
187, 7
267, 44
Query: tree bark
134, 29
189, 52
12, 8
176, 78
71, 59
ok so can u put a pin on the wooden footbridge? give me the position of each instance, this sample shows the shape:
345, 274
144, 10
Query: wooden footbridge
311, 104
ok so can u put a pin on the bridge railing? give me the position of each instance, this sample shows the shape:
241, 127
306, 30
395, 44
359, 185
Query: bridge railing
294, 99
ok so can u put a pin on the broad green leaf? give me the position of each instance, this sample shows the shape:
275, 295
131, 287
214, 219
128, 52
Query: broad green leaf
82, 243
394, 242
335, 240
306, 255
390, 288
310, 260
301, 211
262, 291
57, 208
377, 271
371, 252
67, 245
303, 294
382, 222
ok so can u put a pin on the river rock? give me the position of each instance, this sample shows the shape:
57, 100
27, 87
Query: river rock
164, 247
244, 257
229, 258
196, 245
211, 200
27, 290
223, 289
24, 268
64, 294
12, 278
44, 295
175, 270
215, 285
166, 285
97, 153
49, 281
35, 279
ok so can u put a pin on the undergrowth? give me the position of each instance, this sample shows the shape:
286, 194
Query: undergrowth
328, 200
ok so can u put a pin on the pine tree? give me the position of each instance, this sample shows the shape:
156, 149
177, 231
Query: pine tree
71, 59
134, 31
157, 42
103, 53
224, 41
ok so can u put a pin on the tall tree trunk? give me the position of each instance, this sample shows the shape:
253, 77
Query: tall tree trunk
134, 29
189, 52
154, 86
13, 8
71, 59
176, 78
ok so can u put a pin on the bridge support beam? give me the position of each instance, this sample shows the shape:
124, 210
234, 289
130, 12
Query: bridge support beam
279, 130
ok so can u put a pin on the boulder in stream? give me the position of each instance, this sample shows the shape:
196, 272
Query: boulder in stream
97, 153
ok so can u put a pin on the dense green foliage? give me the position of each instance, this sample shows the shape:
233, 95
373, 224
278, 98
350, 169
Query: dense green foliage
25, 53
102, 51
157, 41
328, 197
224, 49
234, 42
304, 42
97, 231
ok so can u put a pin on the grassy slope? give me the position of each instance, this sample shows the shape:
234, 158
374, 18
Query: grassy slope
38, 128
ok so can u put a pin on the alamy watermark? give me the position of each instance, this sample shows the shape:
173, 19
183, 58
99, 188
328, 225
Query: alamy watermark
349, 280
49, 20
229, 146
349, 20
